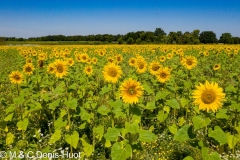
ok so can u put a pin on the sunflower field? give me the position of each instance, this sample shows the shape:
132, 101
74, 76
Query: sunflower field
150, 102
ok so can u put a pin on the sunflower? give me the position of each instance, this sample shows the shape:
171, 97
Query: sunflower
94, 60
16, 77
88, 70
132, 61
119, 58
163, 74
50, 68
208, 96
70, 61
110, 60
162, 58
34, 53
169, 56
189, 62
40, 63
216, 67
141, 66
131, 91
60, 68
154, 67
84, 57
29, 60
112, 72
28, 68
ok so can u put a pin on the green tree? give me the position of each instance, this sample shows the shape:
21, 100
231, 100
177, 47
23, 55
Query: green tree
130, 40
208, 37
120, 40
159, 32
226, 38
195, 36
138, 41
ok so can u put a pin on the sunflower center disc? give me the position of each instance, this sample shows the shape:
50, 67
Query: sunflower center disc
16, 77
131, 91
113, 73
155, 68
59, 69
163, 75
141, 66
29, 69
189, 62
208, 97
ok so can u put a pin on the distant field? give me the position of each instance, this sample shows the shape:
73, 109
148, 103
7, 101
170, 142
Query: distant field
54, 43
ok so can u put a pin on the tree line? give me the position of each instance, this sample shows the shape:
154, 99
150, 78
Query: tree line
142, 37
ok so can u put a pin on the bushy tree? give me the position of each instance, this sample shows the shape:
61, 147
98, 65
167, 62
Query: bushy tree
226, 38
208, 37
130, 40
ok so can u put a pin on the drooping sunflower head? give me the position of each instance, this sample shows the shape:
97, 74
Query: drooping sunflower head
132, 61
16, 77
88, 70
28, 68
110, 60
60, 68
189, 62
40, 63
163, 74
216, 67
154, 67
130, 91
208, 96
112, 73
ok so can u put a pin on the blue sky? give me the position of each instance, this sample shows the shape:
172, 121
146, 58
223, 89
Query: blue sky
34, 18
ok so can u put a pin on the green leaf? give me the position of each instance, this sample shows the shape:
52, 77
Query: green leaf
146, 136
72, 103
184, 101
173, 129
10, 139
59, 89
10, 109
73, 87
162, 116
18, 100
58, 124
105, 89
22, 124
188, 158
150, 105
162, 94
98, 132
72, 139
87, 148
34, 106
222, 114
199, 122
85, 115
232, 140
9, 117
218, 135
120, 152
54, 104
173, 103
82, 126
182, 134
132, 127
55, 137
103, 110
112, 134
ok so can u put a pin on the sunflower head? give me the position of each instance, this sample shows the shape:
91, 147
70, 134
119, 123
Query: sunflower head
141, 66
216, 67
189, 62
88, 70
50, 68
132, 61
154, 67
16, 77
40, 63
29, 60
28, 68
70, 61
208, 96
112, 73
131, 91
162, 58
163, 74
60, 68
